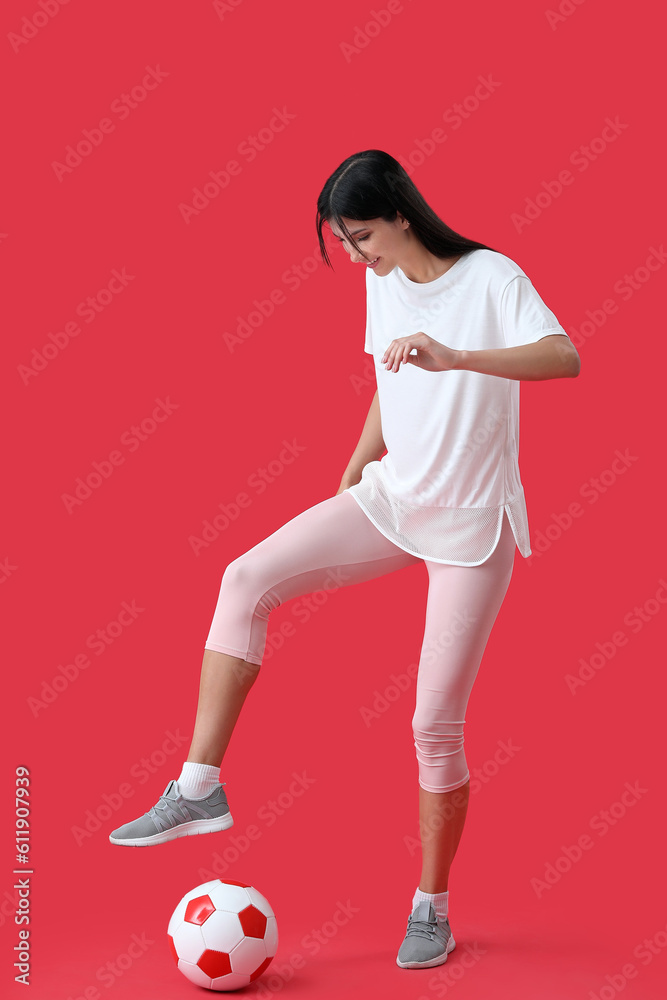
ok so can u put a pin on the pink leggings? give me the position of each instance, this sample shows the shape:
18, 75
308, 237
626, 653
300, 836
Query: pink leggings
335, 544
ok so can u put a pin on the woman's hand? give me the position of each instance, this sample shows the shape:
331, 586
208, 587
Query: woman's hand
431, 355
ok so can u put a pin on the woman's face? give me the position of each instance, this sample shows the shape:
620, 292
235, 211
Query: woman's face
381, 243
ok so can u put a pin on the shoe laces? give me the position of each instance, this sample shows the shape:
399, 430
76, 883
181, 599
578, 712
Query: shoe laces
169, 804
168, 807
421, 928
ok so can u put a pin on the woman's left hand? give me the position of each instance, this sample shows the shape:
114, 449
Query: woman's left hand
431, 355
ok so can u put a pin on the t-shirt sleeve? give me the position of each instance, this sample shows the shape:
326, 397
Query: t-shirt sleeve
525, 317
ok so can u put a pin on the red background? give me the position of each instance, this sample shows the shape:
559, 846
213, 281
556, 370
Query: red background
302, 376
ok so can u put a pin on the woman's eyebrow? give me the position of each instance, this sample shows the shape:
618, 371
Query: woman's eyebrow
352, 233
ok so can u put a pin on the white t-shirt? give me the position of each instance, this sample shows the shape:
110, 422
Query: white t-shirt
452, 437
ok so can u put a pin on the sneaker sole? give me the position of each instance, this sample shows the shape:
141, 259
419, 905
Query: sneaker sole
191, 829
438, 960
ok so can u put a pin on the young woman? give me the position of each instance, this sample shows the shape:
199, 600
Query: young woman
453, 327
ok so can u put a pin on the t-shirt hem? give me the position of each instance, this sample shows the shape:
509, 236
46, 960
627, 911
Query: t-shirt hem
447, 562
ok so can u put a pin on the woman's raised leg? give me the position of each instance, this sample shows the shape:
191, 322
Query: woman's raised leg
330, 545
223, 686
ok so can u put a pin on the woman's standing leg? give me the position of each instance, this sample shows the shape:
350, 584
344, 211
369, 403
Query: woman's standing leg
463, 603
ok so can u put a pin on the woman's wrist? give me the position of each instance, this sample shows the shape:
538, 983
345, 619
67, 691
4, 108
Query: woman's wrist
460, 361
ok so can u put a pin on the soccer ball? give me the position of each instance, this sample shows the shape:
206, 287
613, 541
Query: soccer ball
223, 934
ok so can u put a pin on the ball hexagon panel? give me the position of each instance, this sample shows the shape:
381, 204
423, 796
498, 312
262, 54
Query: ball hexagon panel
230, 982
200, 890
247, 955
207, 886
176, 918
271, 936
199, 910
229, 897
194, 974
261, 902
222, 928
215, 964
189, 942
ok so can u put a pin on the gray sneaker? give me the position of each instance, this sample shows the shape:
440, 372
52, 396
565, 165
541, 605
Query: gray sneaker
428, 940
175, 816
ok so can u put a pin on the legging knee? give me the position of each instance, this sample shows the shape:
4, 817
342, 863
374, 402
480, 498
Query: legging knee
241, 618
440, 753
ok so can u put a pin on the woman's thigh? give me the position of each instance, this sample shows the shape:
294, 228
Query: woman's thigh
330, 545
462, 606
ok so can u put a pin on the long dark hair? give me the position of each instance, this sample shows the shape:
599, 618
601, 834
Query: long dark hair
372, 185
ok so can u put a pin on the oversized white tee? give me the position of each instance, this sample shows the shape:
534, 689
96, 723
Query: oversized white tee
452, 438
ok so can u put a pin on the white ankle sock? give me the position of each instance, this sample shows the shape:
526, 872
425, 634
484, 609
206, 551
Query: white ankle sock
440, 901
198, 780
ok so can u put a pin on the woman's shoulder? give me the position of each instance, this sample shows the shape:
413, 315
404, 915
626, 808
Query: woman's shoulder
497, 264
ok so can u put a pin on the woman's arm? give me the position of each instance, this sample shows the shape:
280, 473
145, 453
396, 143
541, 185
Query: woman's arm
554, 356
370, 447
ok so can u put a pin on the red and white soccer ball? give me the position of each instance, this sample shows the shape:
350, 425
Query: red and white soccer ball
223, 934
